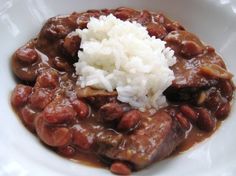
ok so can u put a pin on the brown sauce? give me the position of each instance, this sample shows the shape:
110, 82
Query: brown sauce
195, 136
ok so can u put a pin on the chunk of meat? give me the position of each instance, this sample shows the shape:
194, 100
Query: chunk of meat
187, 72
155, 139
191, 55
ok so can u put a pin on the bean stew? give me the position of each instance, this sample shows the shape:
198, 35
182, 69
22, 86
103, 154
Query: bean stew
78, 122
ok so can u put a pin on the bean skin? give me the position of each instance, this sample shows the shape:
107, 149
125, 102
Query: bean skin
72, 44
156, 30
67, 151
111, 111
205, 121
223, 111
191, 49
81, 108
28, 117
183, 121
52, 136
82, 138
40, 98
129, 120
20, 95
47, 79
27, 55
120, 168
189, 113
124, 13
59, 111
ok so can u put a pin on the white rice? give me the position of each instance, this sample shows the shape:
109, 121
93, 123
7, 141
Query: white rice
120, 55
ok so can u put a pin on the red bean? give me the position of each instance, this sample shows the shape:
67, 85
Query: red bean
83, 19
191, 48
81, 108
59, 111
144, 18
67, 151
223, 111
56, 31
213, 100
120, 168
20, 95
129, 120
52, 136
183, 121
82, 139
205, 121
189, 112
173, 26
60, 64
111, 111
47, 79
40, 98
27, 55
160, 18
226, 89
156, 30
72, 44
28, 117
124, 13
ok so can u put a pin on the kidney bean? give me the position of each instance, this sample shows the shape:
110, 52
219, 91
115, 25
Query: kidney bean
156, 30
98, 101
223, 111
83, 18
59, 111
205, 121
173, 26
72, 44
120, 168
129, 120
111, 111
189, 112
82, 138
20, 95
226, 89
210, 49
47, 79
67, 151
144, 17
55, 31
28, 117
52, 136
124, 13
40, 98
183, 121
107, 11
214, 99
27, 55
160, 18
60, 64
81, 108
191, 48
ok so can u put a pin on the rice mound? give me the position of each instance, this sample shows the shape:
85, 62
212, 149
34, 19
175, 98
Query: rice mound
120, 55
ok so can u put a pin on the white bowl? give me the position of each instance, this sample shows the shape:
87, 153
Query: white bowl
21, 154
